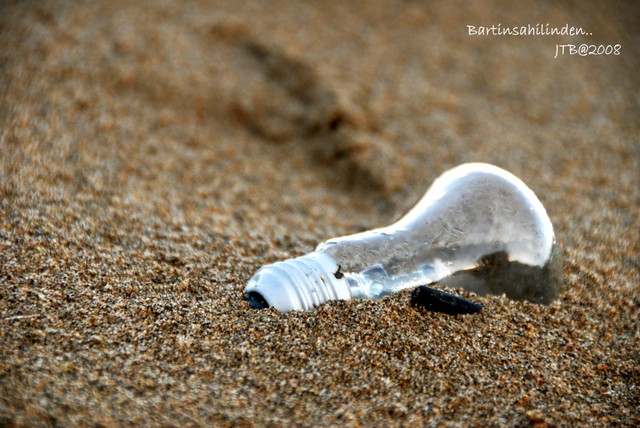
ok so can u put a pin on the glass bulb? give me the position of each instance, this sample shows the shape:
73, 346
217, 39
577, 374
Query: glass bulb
478, 227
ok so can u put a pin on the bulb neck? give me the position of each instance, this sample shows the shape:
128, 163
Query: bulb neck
298, 284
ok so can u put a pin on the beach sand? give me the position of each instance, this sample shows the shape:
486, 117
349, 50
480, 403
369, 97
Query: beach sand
154, 155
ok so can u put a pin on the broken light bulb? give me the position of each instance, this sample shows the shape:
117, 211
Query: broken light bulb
478, 227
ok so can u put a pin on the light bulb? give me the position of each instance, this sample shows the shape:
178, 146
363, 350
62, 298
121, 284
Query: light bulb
478, 227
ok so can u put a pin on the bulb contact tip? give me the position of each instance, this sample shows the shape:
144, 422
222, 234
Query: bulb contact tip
256, 301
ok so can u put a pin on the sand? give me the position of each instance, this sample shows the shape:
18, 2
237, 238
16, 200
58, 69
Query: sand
155, 154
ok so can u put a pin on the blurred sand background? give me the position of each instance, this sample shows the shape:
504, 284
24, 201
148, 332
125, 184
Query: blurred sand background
154, 154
